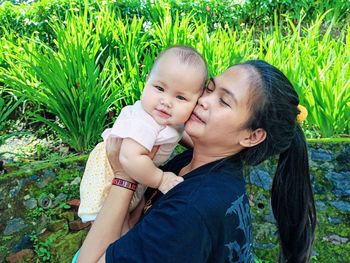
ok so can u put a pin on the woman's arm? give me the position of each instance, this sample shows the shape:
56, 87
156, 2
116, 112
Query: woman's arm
108, 225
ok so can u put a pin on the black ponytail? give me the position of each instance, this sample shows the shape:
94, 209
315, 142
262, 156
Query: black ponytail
292, 201
273, 108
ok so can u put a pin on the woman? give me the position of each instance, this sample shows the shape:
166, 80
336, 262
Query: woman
246, 114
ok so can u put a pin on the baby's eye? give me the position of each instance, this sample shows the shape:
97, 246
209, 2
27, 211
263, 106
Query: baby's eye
181, 97
159, 88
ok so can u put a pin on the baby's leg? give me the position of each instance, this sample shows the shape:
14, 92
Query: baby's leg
95, 184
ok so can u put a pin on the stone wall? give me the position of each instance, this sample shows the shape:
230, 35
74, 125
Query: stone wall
36, 223
330, 171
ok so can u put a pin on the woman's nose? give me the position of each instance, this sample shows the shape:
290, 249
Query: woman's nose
204, 100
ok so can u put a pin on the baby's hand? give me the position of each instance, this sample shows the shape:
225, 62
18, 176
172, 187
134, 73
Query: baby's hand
169, 180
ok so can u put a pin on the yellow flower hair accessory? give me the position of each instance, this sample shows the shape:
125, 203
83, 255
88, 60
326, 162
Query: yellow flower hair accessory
302, 113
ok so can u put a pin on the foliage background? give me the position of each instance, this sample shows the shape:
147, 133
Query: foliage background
68, 67
93, 56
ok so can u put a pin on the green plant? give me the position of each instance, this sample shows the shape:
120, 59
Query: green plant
128, 45
98, 46
7, 106
71, 83
42, 249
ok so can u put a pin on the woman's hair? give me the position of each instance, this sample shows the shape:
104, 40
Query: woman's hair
273, 106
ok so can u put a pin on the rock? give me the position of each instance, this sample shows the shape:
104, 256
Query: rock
75, 203
341, 205
265, 230
70, 216
34, 178
261, 178
76, 181
59, 199
44, 235
48, 176
14, 225
63, 250
56, 225
265, 246
30, 203
318, 189
341, 181
270, 217
78, 225
49, 173
24, 243
63, 149
344, 157
320, 205
42, 183
14, 191
335, 239
25, 255
45, 201
42, 223
320, 155
334, 220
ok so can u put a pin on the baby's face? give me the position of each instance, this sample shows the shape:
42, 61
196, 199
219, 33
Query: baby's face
172, 90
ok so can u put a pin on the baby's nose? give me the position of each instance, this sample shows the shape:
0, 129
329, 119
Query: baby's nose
165, 102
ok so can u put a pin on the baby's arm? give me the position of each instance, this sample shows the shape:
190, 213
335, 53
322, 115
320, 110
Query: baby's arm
140, 167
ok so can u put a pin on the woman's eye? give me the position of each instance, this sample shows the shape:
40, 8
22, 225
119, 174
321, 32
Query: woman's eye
209, 89
224, 103
159, 88
180, 97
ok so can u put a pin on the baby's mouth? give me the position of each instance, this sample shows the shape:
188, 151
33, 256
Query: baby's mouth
163, 114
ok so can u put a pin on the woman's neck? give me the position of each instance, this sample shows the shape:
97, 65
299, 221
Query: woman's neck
203, 156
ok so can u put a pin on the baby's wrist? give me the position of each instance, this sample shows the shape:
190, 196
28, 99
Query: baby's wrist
161, 179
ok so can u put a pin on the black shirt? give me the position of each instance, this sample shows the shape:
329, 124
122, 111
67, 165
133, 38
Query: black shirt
203, 219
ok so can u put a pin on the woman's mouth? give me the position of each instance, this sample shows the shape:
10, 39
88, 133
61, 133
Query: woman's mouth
195, 117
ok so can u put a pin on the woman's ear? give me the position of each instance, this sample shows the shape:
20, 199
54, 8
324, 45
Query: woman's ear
253, 138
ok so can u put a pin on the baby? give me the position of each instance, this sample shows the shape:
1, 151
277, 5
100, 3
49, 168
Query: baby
172, 89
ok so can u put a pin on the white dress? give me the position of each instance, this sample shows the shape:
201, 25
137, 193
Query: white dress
135, 123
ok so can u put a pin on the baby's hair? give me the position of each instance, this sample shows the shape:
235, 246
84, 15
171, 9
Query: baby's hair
187, 55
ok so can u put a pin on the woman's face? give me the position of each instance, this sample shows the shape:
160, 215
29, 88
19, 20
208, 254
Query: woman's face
218, 120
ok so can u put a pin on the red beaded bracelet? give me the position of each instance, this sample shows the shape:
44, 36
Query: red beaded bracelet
124, 183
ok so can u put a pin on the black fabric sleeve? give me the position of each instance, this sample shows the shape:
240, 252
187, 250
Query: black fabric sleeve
171, 233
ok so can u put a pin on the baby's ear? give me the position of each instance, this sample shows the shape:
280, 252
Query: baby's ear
254, 138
